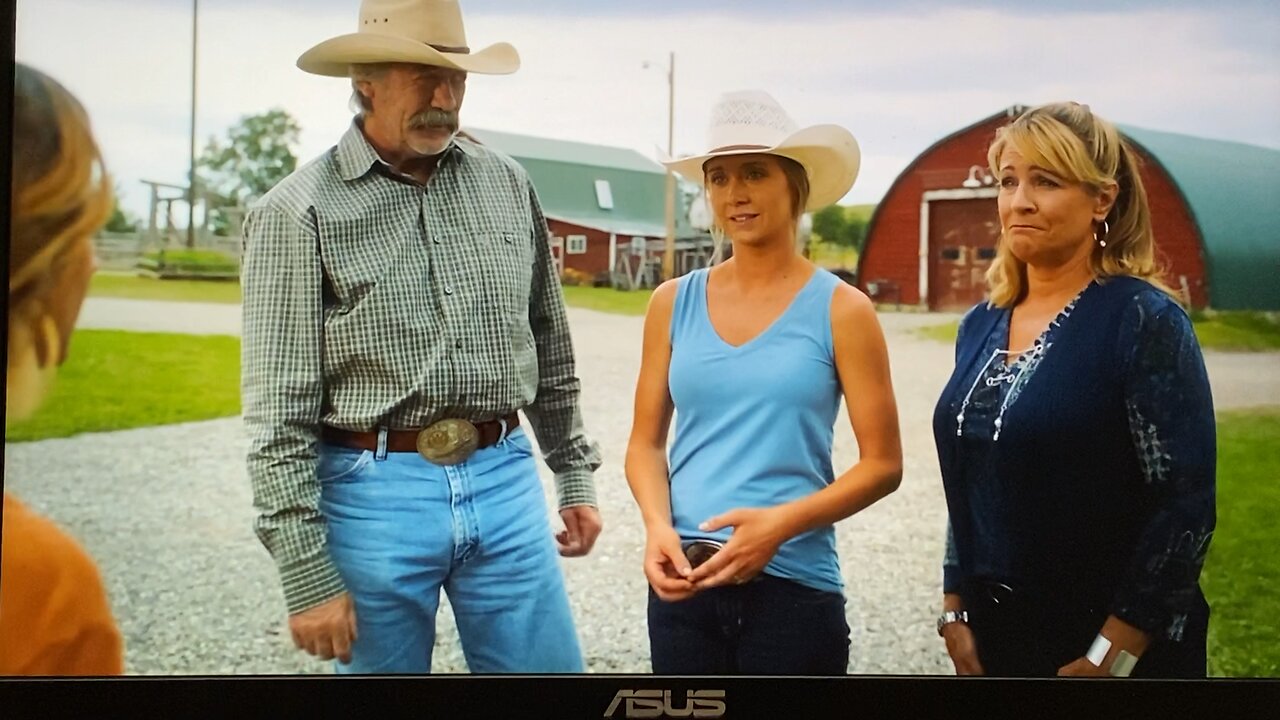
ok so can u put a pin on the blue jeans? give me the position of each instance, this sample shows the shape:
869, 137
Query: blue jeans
770, 626
400, 529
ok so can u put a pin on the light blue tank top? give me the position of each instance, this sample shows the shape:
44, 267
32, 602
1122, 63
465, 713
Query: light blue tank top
753, 423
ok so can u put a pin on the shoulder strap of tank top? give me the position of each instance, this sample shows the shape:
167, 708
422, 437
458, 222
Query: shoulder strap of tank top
690, 298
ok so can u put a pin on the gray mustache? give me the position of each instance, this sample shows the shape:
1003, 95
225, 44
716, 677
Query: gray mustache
435, 118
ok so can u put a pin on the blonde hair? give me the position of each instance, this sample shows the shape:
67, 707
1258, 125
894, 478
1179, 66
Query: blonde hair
797, 184
1080, 147
60, 195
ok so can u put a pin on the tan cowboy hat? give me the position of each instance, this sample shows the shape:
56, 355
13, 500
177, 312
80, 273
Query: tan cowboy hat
425, 32
751, 121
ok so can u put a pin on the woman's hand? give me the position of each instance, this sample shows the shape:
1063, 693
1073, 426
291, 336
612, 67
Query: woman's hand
665, 565
1122, 636
1081, 667
757, 535
962, 648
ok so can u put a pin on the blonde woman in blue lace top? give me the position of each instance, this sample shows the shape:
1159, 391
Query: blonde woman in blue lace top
1076, 435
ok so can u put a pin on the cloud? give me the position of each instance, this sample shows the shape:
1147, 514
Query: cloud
899, 80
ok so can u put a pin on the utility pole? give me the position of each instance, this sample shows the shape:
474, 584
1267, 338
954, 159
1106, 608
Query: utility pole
669, 256
191, 180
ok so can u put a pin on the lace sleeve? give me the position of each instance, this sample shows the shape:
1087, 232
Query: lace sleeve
1171, 423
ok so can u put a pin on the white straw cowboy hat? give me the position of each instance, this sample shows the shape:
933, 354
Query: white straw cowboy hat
751, 121
424, 32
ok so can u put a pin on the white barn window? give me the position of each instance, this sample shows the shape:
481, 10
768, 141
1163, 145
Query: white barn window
576, 244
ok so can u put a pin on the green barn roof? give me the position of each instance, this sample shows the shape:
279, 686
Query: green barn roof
577, 182
1233, 192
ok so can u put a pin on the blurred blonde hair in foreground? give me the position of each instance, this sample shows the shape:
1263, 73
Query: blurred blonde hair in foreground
60, 196
55, 616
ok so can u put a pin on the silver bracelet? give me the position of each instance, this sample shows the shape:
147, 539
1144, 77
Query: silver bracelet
1098, 650
1121, 666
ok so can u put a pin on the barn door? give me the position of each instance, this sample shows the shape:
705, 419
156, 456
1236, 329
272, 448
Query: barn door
962, 244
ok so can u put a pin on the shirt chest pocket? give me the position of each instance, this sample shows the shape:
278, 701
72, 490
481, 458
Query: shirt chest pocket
357, 256
499, 265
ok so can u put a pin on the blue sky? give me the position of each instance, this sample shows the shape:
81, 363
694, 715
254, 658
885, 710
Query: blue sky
899, 75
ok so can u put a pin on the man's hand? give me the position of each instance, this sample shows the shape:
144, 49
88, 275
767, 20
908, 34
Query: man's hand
962, 648
581, 527
328, 630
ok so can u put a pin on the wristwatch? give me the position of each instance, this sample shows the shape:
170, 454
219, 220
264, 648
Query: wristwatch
952, 616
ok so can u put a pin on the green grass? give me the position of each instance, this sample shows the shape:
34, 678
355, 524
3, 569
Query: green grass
831, 256
945, 332
1238, 330
1225, 330
144, 288
190, 261
117, 380
604, 299
1242, 570
622, 302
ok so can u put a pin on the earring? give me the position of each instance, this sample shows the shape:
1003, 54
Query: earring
1102, 242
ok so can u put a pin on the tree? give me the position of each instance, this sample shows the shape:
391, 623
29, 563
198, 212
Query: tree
855, 230
829, 223
841, 226
120, 221
256, 154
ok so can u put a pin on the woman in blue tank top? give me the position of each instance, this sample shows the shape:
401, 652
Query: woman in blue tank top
753, 357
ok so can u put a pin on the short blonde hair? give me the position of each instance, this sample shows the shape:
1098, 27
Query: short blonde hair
797, 184
1069, 140
60, 196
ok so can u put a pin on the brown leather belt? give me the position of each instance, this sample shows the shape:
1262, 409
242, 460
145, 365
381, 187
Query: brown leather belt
489, 433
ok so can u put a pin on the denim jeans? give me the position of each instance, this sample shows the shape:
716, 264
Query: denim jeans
770, 626
400, 529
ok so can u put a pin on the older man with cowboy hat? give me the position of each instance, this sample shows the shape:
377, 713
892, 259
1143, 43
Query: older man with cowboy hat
400, 309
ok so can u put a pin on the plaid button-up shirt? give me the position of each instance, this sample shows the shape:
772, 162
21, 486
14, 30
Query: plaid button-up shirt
370, 299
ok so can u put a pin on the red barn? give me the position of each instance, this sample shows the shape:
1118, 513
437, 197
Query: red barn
605, 207
933, 236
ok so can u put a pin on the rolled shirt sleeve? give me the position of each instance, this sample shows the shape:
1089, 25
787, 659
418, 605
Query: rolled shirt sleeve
556, 413
282, 389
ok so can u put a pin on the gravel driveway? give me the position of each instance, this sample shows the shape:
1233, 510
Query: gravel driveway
167, 513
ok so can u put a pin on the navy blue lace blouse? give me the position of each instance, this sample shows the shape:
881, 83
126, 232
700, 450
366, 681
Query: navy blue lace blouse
1086, 466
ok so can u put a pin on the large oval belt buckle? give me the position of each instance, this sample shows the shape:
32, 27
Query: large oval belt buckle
699, 551
448, 442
